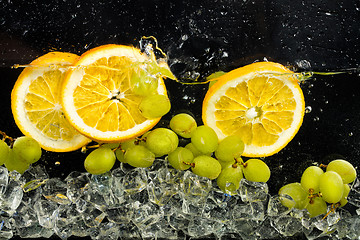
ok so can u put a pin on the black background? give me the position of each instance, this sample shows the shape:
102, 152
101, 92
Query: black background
201, 37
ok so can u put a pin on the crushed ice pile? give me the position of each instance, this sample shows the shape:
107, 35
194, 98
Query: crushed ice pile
155, 203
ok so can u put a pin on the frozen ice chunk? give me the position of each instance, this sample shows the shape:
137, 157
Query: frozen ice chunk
105, 231
354, 194
195, 188
135, 181
76, 184
252, 191
65, 220
287, 225
11, 198
6, 231
199, 227
120, 214
4, 177
45, 212
275, 207
55, 190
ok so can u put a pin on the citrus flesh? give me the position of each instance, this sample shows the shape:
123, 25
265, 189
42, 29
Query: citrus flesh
98, 98
261, 102
35, 103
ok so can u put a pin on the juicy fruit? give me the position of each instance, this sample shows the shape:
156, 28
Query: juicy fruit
256, 170
102, 82
229, 179
14, 162
316, 207
321, 187
296, 193
204, 139
162, 141
183, 124
310, 179
261, 102
139, 156
27, 149
4, 152
331, 187
36, 103
100, 161
154, 106
230, 148
180, 158
206, 166
345, 169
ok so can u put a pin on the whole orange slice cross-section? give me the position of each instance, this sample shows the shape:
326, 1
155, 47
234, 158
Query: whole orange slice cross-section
35, 103
261, 102
97, 96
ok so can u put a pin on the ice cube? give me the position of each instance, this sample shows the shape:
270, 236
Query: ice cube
55, 190
45, 212
252, 191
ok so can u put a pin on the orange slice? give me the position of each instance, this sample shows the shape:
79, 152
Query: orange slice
98, 97
35, 103
261, 102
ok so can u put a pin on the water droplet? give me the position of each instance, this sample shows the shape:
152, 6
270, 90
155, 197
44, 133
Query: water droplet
316, 119
308, 109
351, 134
184, 37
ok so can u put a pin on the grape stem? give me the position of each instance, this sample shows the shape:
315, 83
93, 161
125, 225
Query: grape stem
333, 207
5, 136
189, 164
322, 165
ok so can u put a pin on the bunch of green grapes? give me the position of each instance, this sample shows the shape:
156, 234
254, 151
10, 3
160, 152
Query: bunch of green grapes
23, 152
207, 157
202, 153
139, 152
317, 188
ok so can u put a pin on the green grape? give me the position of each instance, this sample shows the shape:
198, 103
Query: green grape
343, 200
316, 206
331, 187
213, 76
128, 144
230, 148
345, 169
100, 161
226, 164
179, 157
139, 156
4, 152
142, 83
15, 162
256, 170
229, 179
310, 179
296, 192
154, 106
27, 148
205, 139
206, 166
120, 155
110, 145
162, 141
193, 149
183, 124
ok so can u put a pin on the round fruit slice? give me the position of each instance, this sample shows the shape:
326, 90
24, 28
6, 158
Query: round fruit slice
261, 102
99, 97
35, 103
